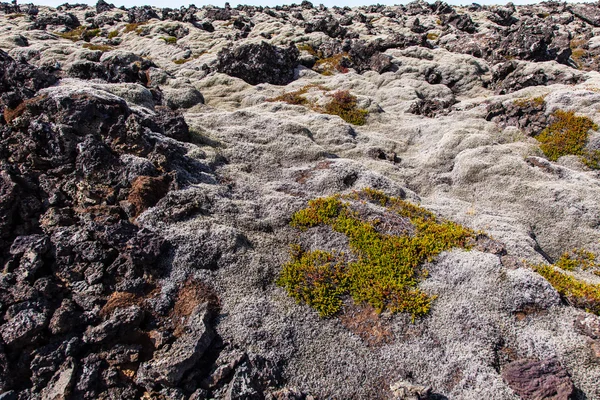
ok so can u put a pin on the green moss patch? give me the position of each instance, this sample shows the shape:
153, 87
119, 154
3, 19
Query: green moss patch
80, 33
101, 47
383, 271
530, 102
329, 65
577, 292
344, 105
577, 259
169, 39
568, 135
296, 97
137, 27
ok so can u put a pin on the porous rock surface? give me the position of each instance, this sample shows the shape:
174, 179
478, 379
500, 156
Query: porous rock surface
146, 186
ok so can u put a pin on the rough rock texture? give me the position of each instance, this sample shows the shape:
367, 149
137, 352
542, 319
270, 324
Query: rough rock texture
259, 63
148, 174
545, 379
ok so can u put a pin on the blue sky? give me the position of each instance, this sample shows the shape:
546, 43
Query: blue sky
328, 3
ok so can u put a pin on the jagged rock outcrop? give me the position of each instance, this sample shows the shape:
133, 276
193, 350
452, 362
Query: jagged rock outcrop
259, 63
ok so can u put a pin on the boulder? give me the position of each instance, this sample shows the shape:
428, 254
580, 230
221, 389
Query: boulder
538, 380
259, 63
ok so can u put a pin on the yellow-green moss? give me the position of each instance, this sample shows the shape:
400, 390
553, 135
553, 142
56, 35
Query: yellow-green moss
101, 47
181, 61
529, 102
138, 27
432, 36
13, 16
315, 278
307, 47
296, 97
567, 135
113, 34
169, 39
80, 33
577, 292
578, 52
387, 269
344, 105
328, 66
577, 259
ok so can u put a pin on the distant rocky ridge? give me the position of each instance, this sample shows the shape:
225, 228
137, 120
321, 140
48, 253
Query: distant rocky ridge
151, 160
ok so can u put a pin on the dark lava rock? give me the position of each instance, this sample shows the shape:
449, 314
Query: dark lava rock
328, 25
102, 6
512, 76
114, 67
183, 14
589, 13
218, 14
75, 269
503, 15
169, 364
535, 40
141, 14
19, 330
462, 22
367, 57
546, 379
416, 27
67, 20
527, 115
259, 63
430, 108
122, 322
20, 81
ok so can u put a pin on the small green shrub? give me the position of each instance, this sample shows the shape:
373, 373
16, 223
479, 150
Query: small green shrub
567, 135
387, 269
343, 104
578, 293
113, 34
169, 39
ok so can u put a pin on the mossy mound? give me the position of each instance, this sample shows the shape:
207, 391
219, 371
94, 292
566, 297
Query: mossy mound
568, 135
384, 269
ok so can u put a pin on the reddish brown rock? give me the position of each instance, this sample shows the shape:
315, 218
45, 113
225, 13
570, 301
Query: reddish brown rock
539, 380
146, 191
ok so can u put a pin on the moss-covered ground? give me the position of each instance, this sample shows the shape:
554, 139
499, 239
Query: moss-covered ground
386, 269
